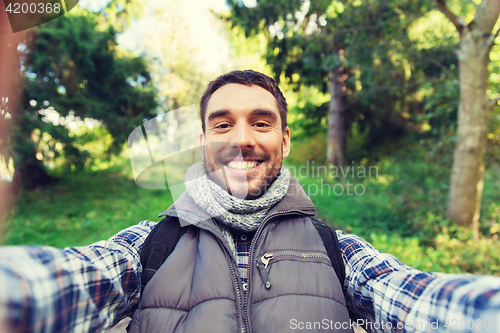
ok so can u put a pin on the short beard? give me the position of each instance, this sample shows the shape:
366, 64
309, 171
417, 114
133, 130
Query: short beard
224, 182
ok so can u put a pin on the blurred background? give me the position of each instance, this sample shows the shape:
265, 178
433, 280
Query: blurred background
374, 97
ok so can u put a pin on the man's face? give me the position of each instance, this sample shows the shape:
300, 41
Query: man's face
243, 140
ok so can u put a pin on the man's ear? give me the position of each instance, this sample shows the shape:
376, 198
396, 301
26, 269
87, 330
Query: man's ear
202, 145
286, 142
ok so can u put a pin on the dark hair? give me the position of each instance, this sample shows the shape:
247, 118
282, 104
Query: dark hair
248, 78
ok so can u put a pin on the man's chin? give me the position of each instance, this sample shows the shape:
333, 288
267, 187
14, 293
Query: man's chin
240, 193
245, 192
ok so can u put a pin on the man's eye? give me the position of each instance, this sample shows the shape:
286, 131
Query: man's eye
222, 126
261, 125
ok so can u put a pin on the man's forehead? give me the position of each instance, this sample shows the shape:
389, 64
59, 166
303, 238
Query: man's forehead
237, 97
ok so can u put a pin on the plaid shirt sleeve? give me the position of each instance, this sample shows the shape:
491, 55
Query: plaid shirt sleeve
394, 297
78, 289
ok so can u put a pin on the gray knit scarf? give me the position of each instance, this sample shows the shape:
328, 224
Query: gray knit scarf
232, 212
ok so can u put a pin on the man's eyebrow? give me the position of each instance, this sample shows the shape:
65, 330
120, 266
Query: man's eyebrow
265, 112
219, 113
256, 112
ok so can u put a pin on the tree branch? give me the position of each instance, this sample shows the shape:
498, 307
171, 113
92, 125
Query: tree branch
487, 15
457, 21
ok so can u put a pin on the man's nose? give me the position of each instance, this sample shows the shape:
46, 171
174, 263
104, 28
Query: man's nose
243, 137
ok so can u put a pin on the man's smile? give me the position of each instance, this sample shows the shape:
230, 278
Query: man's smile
237, 164
243, 165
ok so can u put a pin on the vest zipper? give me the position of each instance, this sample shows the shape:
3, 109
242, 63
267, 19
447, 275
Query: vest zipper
266, 258
236, 279
237, 282
246, 320
270, 257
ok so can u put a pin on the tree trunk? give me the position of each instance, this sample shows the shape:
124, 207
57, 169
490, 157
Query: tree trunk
9, 85
467, 174
466, 183
15, 131
336, 145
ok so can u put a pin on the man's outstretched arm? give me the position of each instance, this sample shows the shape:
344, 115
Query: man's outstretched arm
393, 296
80, 289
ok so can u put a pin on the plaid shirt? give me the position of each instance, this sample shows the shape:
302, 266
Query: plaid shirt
242, 242
87, 289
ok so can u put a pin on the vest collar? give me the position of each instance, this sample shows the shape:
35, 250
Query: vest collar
188, 212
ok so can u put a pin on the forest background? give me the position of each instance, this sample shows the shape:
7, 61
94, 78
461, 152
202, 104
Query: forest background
374, 88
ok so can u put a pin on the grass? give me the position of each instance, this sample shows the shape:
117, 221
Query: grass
83, 208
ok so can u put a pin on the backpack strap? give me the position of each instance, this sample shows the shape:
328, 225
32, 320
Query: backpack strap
331, 242
329, 238
159, 244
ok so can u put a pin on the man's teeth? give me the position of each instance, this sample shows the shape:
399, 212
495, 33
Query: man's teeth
242, 165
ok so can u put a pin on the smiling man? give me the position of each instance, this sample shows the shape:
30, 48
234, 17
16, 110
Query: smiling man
251, 220
251, 257
253, 123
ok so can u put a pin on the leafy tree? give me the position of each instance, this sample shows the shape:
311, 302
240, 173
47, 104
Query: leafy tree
75, 68
117, 14
358, 51
476, 41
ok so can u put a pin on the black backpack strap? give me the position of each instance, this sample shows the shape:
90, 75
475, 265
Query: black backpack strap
329, 238
332, 246
159, 245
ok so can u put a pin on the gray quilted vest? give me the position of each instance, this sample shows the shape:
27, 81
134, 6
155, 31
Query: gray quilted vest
292, 285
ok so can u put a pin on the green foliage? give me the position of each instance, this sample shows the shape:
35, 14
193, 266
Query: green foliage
72, 67
307, 111
438, 93
394, 81
401, 72
312, 148
78, 68
118, 14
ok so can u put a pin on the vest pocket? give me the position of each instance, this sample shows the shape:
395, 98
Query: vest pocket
264, 262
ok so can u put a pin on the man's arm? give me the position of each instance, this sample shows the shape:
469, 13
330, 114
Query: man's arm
80, 289
397, 297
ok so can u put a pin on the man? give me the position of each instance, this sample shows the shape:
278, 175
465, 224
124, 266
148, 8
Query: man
251, 259
257, 211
